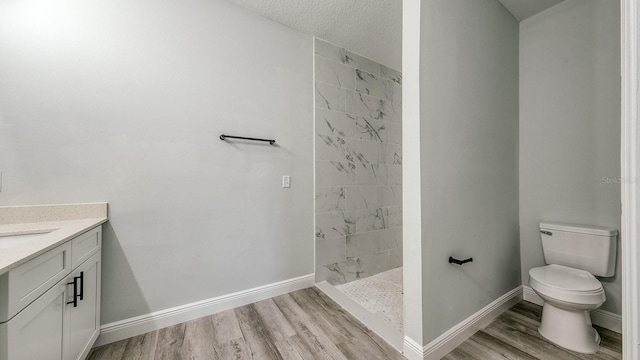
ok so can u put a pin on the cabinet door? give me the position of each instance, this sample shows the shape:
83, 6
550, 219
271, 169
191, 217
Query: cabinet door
36, 331
83, 320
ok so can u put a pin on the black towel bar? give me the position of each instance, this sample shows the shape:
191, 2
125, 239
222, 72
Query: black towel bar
223, 136
459, 262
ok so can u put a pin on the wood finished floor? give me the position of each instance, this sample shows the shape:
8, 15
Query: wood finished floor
514, 335
306, 324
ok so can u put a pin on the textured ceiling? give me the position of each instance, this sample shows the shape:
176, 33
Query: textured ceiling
372, 28
522, 9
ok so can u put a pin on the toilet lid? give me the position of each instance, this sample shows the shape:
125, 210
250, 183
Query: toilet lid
565, 278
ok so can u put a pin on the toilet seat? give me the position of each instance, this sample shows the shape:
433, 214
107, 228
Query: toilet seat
567, 285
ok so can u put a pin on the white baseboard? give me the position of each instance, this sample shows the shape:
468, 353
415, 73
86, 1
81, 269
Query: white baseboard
138, 325
607, 320
455, 336
602, 318
412, 349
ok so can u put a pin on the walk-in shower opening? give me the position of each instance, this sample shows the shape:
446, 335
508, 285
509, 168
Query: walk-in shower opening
358, 166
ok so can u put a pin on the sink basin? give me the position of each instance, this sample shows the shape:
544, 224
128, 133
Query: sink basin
8, 240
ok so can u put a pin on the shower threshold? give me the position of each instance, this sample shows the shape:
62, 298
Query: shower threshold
376, 301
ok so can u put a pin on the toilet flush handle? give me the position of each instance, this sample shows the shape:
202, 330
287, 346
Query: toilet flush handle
546, 232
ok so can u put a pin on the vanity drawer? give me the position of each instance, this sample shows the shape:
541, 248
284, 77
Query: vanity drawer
24, 284
85, 245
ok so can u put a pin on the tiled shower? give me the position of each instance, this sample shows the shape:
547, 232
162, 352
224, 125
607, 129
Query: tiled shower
358, 165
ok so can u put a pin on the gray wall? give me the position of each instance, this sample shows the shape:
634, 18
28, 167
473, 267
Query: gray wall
123, 101
469, 158
358, 165
570, 124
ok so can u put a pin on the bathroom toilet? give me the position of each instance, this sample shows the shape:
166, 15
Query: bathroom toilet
574, 254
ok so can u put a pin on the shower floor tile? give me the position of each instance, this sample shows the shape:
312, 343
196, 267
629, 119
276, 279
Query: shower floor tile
380, 294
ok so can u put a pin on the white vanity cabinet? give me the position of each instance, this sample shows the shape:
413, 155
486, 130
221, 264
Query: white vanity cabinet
60, 320
82, 321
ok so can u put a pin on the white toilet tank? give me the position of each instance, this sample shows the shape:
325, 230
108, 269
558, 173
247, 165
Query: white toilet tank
589, 248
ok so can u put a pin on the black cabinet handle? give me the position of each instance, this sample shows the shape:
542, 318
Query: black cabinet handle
75, 289
81, 285
75, 292
459, 262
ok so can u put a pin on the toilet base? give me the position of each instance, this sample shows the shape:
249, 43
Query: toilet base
571, 330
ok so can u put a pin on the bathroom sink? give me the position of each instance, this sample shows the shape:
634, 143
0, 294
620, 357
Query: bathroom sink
8, 240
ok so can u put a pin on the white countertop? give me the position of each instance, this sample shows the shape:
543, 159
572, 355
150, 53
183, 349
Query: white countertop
62, 229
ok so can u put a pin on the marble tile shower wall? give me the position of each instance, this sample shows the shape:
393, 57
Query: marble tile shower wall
358, 165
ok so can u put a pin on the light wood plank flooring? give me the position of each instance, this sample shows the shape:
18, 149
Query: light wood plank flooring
514, 335
306, 324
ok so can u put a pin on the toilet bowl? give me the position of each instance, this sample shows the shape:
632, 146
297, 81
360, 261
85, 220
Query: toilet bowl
569, 295
574, 254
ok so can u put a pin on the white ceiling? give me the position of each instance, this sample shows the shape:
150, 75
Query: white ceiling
522, 9
372, 28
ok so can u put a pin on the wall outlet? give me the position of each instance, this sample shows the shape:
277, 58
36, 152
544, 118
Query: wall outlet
286, 181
